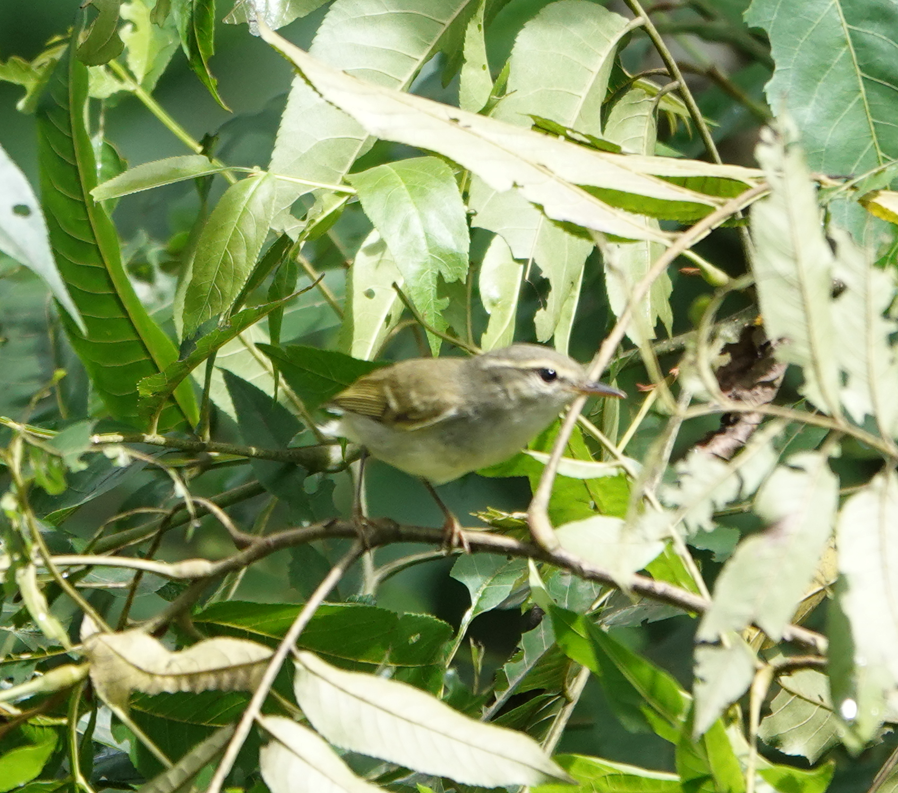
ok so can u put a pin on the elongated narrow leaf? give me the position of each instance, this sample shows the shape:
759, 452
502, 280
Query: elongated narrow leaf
417, 208
318, 141
862, 345
793, 269
722, 675
396, 722
546, 171
316, 375
868, 562
154, 390
24, 235
155, 174
196, 27
372, 304
227, 249
770, 572
631, 123
500, 279
177, 777
641, 694
122, 344
475, 84
134, 661
297, 760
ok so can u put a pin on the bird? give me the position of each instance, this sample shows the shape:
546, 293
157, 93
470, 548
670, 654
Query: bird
441, 418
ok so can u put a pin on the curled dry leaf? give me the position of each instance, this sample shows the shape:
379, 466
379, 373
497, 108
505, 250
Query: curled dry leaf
133, 661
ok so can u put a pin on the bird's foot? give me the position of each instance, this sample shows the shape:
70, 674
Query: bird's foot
454, 535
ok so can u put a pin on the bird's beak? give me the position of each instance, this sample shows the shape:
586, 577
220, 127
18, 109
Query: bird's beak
600, 389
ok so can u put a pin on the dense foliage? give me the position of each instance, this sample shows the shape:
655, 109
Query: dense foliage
694, 589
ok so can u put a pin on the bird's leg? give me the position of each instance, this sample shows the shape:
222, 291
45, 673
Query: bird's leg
359, 519
453, 536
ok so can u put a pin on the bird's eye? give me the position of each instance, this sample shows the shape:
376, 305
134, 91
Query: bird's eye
548, 375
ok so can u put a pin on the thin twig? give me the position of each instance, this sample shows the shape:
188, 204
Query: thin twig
274, 666
538, 516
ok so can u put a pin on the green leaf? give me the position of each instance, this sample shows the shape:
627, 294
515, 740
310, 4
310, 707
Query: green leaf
722, 675
596, 774
489, 580
417, 208
709, 765
372, 304
155, 174
24, 236
196, 27
276, 15
475, 84
317, 141
862, 345
499, 282
148, 47
787, 779
801, 721
100, 41
631, 123
316, 375
642, 696
396, 722
793, 269
23, 763
298, 760
544, 170
154, 390
770, 572
32, 76
122, 344
267, 424
227, 249
836, 76
353, 635
868, 597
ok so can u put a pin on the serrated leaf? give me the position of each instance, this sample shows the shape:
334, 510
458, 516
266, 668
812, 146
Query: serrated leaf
417, 208
475, 84
100, 41
123, 344
372, 304
868, 563
770, 572
396, 722
24, 235
835, 76
317, 375
316, 140
488, 579
297, 760
546, 171
182, 772
793, 268
722, 675
196, 27
154, 390
631, 123
801, 721
155, 174
148, 46
862, 345
499, 282
596, 774
134, 661
277, 13
643, 696
227, 249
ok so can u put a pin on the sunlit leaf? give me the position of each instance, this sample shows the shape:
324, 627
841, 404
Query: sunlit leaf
396, 722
